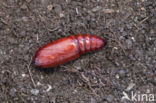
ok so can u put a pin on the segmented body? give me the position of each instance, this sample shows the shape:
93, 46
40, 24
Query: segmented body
66, 49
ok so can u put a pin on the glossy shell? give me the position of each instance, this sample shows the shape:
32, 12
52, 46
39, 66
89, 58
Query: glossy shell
66, 49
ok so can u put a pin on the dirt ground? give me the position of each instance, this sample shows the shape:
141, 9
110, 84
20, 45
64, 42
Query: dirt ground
126, 64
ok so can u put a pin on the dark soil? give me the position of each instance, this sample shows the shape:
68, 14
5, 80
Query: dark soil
126, 64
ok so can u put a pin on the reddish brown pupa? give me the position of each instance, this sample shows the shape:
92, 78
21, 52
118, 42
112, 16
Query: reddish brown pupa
66, 49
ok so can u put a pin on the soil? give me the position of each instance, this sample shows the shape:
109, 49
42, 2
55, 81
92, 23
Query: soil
126, 64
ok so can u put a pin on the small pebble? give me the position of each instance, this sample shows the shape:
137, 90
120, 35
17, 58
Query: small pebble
50, 7
61, 15
115, 48
38, 83
75, 91
117, 76
133, 39
35, 91
23, 75
131, 85
78, 67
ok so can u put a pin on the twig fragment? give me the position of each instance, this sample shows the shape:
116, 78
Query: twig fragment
30, 74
